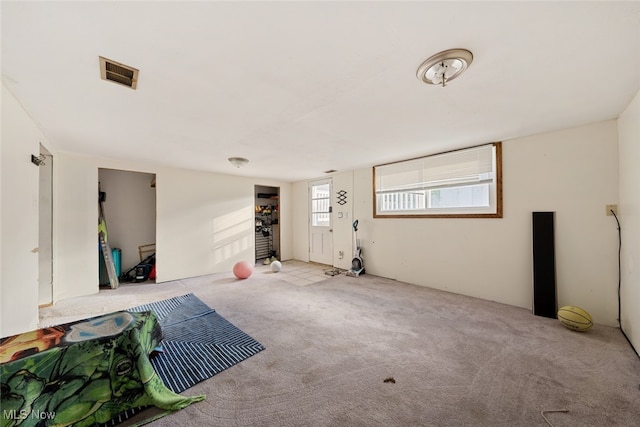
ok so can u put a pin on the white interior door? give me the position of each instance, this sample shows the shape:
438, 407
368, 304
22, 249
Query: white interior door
320, 222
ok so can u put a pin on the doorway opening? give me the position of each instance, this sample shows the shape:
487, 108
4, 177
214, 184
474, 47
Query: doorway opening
45, 230
129, 207
267, 222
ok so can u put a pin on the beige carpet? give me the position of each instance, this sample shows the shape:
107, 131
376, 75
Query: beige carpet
331, 342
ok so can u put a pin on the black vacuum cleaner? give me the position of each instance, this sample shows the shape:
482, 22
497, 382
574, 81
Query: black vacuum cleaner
357, 265
140, 272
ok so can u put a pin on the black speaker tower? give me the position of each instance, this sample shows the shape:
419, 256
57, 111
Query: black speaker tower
544, 265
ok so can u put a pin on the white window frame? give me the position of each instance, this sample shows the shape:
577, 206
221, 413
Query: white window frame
405, 189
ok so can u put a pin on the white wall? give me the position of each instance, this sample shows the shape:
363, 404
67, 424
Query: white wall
573, 172
75, 232
300, 210
342, 220
629, 214
19, 218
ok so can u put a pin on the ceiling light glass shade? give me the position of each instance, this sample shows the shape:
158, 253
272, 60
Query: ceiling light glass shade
238, 161
444, 66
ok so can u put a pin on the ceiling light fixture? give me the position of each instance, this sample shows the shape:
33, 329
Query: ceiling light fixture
238, 161
444, 66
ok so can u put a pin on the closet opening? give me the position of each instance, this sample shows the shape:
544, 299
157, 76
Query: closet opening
127, 202
267, 221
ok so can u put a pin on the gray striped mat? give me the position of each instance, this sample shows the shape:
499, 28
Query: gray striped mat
197, 342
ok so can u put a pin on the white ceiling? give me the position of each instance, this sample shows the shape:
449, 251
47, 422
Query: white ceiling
300, 87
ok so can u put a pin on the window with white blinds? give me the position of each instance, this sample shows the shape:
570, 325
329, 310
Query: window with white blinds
461, 183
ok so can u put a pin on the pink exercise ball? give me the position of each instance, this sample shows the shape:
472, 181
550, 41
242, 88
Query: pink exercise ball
242, 269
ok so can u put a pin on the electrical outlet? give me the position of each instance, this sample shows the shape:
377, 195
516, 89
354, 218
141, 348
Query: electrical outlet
613, 208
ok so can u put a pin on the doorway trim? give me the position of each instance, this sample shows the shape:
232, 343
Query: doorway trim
45, 230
